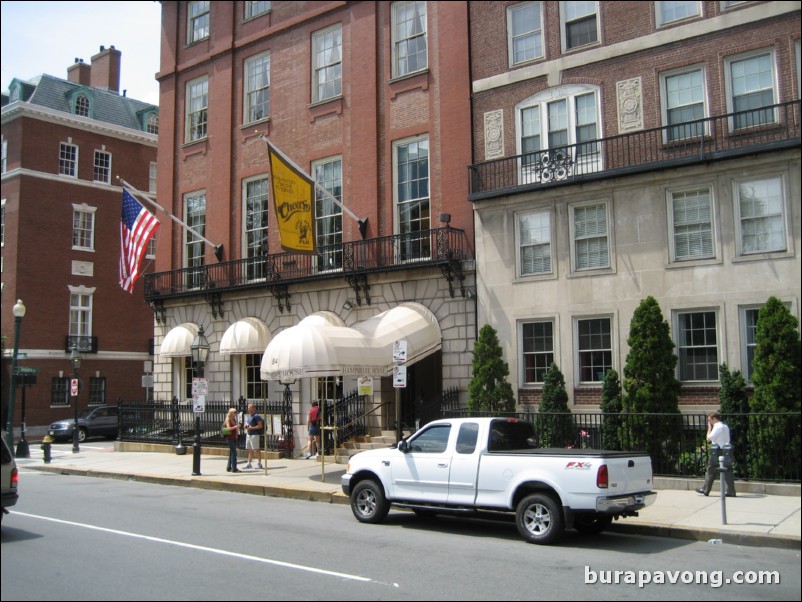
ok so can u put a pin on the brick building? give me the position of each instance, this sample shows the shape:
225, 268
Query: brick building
64, 144
373, 100
623, 152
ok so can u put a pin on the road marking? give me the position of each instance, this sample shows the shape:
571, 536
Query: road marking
289, 565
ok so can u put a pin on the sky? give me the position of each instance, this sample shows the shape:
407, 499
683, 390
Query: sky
46, 37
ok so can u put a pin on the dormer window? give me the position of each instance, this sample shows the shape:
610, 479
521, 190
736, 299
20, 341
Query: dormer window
82, 102
152, 123
82, 105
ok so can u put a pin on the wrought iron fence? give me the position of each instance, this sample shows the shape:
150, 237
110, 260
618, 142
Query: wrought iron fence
343, 419
766, 446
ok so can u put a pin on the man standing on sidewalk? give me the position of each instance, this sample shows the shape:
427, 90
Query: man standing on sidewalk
718, 434
313, 422
254, 429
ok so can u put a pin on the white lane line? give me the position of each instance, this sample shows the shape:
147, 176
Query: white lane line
190, 546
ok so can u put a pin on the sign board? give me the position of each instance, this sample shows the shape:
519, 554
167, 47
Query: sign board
73, 387
147, 381
365, 385
26, 370
399, 352
399, 377
22, 356
200, 388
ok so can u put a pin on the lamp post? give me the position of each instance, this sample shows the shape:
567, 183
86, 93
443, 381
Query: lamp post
18, 310
75, 360
200, 352
286, 433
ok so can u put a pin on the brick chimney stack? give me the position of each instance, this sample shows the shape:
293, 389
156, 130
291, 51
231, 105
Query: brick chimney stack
78, 72
105, 72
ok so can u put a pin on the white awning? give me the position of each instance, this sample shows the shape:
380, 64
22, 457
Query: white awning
321, 346
249, 335
177, 342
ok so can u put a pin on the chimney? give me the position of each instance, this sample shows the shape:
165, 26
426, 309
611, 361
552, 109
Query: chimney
105, 73
79, 72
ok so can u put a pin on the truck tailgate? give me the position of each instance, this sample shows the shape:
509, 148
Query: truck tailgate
630, 474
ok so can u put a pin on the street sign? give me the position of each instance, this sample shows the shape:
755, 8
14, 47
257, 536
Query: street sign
26, 370
22, 356
399, 377
399, 352
200, 389
74, 387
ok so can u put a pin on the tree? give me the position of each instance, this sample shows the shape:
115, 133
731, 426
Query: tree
734, 407
611, 407
651, 385
489, 390
554, 424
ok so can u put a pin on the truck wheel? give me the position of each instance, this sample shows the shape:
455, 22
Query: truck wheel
368, 502
592, 524
539, 519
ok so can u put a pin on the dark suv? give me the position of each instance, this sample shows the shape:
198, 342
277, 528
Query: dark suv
96, 421
10, 478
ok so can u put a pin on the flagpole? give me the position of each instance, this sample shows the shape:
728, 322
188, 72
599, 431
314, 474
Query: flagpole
363, 223
218, 249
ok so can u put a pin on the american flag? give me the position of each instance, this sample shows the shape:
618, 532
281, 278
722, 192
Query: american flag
137, 227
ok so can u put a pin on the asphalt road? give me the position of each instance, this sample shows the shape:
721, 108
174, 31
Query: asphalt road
76, 538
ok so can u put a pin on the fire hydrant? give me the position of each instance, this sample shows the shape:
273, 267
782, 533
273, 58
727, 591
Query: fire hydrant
46, 448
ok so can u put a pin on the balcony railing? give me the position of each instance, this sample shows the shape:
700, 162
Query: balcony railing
83, 344
725, 136
425, 248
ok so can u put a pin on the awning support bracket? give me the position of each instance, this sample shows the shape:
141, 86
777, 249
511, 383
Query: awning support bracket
215, 301
282, 294
359, 282
159, 313
451, 270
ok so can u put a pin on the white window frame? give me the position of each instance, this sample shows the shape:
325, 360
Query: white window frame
691, 220
197, 110
194, 250
152, 123
684, 347
250, 190
577, 237
523, 241
68, 163
81, 311
536, 34
402, 41
256, 96
673, 98
729, 63
83, 106
582, 352
566, 22
661, 8
328, 173
198, 20
101, 167
83, 227
420, 248
152, 177
779, 213
550, 355
327, 63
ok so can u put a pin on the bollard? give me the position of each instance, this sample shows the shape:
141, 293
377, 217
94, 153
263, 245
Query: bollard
722, 466
46, 448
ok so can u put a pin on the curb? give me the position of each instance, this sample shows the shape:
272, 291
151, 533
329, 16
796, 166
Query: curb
740, 538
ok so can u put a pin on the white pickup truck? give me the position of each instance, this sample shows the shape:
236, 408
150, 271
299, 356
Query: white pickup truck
472, 464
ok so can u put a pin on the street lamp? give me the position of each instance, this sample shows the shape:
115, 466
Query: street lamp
18, 310
286, 431
75, 360
200, 352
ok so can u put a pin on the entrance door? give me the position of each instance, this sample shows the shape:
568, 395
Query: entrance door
420, 400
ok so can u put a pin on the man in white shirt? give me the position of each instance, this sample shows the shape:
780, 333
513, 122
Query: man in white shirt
718, 434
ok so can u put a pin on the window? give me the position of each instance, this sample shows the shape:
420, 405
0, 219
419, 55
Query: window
68, 160
152, 177
3, 222
697, 346
537, 339
197, 104
4, 156
749, 317
760, 210
327, 66
594, 348
690, 216
409, 38
60, 391
256, 216
97, 391
467, 438
683, 104
328, 214
534, 235
254, 9
101, 171
257, 91
433, 440
83, 227
525, 32
411, 160
667, 12
255, 387
152, 123
198, 21
590, 237
581, 23
557, 130
328, 388
195, 217
82, 105
80, 313
750, 87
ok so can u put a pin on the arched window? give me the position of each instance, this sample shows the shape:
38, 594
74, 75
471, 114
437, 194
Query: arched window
82, 105
152, 125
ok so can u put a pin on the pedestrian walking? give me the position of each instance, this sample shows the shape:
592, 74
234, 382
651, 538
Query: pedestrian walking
313, 422
718, 434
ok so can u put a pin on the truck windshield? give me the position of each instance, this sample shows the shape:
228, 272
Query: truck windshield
507, 435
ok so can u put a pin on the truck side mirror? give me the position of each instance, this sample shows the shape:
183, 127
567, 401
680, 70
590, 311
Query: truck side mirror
403, 446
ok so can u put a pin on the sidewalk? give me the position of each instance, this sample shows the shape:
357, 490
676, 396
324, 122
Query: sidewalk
754, 518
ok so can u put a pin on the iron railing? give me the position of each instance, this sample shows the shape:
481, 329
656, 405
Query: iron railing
766, 446
425, 248
724, 136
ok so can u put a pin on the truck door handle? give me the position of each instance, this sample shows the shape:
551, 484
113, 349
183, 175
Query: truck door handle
442, 465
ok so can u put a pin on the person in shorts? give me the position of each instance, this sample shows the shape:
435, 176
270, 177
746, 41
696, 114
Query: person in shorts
313, 420
254, 429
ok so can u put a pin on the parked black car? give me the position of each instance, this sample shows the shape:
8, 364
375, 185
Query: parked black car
97, 421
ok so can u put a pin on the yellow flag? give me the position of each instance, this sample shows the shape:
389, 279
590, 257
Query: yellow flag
294, 203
